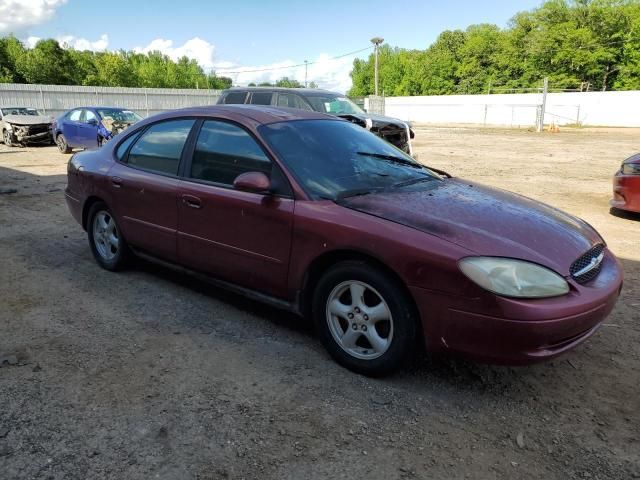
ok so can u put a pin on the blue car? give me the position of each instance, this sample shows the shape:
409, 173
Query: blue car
90, 127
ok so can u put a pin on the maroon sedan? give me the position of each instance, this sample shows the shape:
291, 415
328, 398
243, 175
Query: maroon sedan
319, 216
626, 185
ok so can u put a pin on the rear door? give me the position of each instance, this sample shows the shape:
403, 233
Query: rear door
145, 185
239, 236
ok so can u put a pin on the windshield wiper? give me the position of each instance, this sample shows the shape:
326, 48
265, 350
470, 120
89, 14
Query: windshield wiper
354, 192
391, 158
413, 181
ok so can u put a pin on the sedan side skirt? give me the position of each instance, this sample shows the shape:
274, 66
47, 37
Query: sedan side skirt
293, 307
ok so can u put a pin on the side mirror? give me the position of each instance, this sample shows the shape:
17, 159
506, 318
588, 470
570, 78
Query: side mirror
256, 182
93, 122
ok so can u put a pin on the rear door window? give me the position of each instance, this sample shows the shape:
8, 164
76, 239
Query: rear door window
261, 98
235, 97
121, 151
75, 115
159, 149
224, 151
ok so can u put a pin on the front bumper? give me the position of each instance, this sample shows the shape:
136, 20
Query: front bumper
32, 134
626, 192
526, 331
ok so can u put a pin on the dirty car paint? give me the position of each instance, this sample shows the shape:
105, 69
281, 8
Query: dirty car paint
486, 220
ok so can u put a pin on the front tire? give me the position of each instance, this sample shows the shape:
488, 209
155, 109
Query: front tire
7, 138
364, 318
107, 244
63, 146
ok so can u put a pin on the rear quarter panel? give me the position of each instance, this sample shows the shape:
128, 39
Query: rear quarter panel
87, 177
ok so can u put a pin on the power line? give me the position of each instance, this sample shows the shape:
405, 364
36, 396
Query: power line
269, 69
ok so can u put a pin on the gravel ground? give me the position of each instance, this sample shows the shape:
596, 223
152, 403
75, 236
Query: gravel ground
150, 374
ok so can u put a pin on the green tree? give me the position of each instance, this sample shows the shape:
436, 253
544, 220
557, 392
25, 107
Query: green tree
573, 42
112, 69
46, 62
286, 82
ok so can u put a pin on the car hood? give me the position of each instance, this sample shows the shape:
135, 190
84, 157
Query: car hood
635, 158
486, 221
26, 119
377, 120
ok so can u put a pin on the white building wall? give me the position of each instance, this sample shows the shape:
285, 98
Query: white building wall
614, 109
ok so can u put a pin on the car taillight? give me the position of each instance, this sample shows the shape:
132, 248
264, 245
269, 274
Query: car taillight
631, 168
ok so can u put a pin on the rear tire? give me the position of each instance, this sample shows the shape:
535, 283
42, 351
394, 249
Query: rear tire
63, 146
364, 318
108, 246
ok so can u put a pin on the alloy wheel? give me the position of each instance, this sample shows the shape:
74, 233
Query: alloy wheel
105, 235
359, 320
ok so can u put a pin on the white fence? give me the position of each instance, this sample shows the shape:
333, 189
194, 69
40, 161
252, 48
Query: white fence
56, 99
613, 109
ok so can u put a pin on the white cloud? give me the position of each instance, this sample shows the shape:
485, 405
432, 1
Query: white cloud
332, 74
196, 48
69, 41
326, 72
17, 15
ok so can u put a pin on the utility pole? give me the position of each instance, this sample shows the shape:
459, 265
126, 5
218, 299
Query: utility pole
305, 74
376, 42
543, 107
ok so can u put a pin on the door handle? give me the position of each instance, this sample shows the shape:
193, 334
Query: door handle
191, 201
116, 182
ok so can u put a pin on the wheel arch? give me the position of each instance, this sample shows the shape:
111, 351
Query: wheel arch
322, 263
86, 208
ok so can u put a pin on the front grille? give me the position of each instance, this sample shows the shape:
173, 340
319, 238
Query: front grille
35, 129
590, 259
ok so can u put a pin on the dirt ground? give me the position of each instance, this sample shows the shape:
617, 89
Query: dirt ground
149, 374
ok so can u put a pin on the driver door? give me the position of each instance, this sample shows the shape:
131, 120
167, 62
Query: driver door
88, 130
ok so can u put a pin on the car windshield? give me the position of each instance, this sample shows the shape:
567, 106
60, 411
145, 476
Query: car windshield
20, 111
337, 159
334, 105
119, 115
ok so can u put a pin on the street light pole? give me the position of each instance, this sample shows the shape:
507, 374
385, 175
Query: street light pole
305, 74
376, 43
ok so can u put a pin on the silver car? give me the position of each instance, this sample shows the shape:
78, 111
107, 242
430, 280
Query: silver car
23, 125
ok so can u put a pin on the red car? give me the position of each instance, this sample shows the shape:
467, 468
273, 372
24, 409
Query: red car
319, 216
626, 185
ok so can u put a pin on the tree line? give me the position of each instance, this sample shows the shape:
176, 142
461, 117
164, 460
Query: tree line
284, 82
49, 63
578, 44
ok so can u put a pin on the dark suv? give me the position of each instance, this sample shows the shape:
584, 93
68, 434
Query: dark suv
394, 131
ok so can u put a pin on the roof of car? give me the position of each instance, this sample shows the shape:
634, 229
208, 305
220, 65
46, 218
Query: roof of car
102, 107
263, 114
305, 92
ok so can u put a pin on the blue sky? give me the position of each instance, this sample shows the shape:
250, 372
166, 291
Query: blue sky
251, 34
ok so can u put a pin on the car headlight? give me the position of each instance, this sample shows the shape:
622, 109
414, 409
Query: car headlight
513, 278
631, 168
